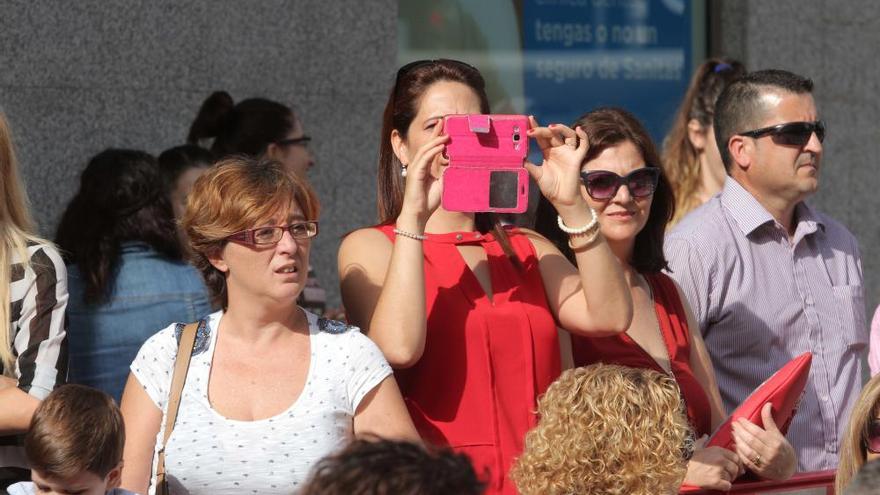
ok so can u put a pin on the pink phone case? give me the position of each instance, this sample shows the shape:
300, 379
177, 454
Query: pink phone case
486, 155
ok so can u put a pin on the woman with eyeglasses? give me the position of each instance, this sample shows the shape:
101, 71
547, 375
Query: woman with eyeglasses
861, 442
465, 309
259, 128
691, 159
271, 388
623, 183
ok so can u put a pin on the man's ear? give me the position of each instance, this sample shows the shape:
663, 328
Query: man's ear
398, 145
215, 257
114, 477
741, 149
696, 134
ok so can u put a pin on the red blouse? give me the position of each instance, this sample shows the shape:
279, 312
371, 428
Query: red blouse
485, 362
623, 350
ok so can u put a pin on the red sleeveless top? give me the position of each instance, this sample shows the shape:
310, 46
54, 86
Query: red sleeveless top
623, 350
485, 362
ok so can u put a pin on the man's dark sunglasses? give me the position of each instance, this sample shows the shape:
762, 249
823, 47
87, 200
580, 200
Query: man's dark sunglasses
304, 140
602, 185
790, 133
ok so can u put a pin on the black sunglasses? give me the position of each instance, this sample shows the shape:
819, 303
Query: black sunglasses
872, 438
304, 140
603, 185
790, 133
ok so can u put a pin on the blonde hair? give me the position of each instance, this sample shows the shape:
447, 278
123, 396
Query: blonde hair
680, 159
236, 194
606, 429
15, 234
853, 449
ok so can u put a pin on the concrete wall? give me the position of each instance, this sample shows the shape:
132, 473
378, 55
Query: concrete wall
833, 43
77, 77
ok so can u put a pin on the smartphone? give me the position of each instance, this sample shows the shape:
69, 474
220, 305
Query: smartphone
486, 170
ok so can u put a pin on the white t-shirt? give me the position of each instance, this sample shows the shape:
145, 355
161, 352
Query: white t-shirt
210, 454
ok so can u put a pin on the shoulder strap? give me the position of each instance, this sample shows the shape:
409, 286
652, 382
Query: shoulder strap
178, 379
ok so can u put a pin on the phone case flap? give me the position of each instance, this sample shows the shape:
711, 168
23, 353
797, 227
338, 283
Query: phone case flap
503, 144
478, 123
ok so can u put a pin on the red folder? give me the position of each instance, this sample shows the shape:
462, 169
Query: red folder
783, 390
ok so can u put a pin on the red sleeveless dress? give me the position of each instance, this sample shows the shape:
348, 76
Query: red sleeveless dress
623, 350
485, 363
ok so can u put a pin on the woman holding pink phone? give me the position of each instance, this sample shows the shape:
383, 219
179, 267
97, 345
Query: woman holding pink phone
464, 309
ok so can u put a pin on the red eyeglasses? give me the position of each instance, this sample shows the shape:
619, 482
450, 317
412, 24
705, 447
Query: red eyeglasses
272, 235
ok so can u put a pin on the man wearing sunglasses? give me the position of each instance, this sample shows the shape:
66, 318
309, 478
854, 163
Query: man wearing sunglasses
768, 276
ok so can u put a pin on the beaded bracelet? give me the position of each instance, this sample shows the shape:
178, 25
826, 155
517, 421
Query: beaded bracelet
592, 224
403, 233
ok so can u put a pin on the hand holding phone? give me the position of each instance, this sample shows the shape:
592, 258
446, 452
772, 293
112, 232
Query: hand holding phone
486, 163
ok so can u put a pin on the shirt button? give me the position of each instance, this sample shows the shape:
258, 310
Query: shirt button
459, 237
808, 300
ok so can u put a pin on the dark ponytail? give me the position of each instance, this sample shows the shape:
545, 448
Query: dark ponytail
246, 128
212, 117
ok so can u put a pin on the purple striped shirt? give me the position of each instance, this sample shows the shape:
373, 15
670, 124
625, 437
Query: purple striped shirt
761, 299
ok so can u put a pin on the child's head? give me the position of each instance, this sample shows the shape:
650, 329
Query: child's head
75, 441
387, 467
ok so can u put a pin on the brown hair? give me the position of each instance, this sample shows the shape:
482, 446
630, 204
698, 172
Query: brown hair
853, 448
605, 128
387, 467
400, 110
606, 429
244, 128
234, 195
75, 429
679, 156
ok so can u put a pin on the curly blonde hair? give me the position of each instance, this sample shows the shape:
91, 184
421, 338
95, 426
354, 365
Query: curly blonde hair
606, 429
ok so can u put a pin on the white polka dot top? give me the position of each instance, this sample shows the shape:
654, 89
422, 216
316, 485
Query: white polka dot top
209, 454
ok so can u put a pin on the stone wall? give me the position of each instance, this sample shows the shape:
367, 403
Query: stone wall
77, 77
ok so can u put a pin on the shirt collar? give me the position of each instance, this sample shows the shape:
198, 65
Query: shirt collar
745, 210
749, 214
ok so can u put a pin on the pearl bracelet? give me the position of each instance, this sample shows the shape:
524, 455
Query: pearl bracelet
403, 233
591, 225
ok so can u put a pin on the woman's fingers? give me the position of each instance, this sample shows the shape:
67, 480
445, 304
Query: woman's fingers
424, 155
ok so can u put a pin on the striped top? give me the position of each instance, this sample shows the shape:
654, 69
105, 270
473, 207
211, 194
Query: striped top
761, 299
38, 299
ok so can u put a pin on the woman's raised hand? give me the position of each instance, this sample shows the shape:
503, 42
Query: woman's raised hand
423, 179
559, 177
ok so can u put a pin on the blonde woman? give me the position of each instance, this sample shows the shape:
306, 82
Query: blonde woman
33, 297
861, 443
691, 158
606, 429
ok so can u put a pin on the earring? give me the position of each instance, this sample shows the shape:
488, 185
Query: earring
403, 171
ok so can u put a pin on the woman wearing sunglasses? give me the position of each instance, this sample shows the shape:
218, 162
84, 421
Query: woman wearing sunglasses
465, 309
271, 388
633, 199
861, 443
